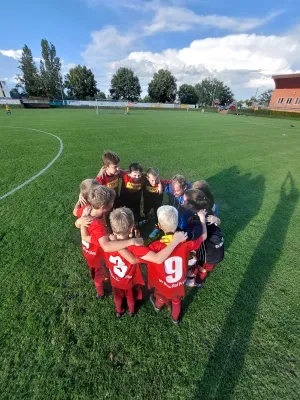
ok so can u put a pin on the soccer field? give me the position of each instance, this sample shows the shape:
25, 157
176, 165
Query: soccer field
239, 335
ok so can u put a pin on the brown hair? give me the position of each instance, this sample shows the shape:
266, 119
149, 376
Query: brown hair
86, 186
109, 157
135, 167
101, 196
204, 187
180, 179
196, 200
153, 171
121, 221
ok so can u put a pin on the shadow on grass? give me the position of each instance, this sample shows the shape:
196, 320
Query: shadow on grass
227, 360
240, 198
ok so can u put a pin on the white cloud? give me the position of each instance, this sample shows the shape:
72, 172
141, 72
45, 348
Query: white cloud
107, 44
243, 61
183, 19
16, 54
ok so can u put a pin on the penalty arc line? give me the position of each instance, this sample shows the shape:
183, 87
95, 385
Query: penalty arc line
61, 146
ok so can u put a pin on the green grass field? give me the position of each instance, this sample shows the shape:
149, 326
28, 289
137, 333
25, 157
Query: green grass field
239, 337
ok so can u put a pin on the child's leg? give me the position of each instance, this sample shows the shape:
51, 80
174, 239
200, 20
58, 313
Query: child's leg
138, 293
160, 300
130, 300
202, 272
100, 275
118, 299
176, 308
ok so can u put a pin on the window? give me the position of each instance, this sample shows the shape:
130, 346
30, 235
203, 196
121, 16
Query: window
297, 101
280, 100
289, 100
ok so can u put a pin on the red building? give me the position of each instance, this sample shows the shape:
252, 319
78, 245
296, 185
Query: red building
286, 96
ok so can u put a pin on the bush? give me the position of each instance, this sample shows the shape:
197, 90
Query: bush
266, 113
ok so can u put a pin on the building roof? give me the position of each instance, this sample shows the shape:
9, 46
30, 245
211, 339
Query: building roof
286, 76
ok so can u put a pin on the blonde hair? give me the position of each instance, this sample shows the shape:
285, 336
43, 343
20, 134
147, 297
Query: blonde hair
153, 171
101, 196
109, 157
86, 187
167, 218
121, 221
181, 180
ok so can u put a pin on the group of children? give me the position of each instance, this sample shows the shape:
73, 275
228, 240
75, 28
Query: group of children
185, 245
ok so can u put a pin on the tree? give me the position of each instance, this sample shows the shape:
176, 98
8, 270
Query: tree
50, 67
80, 82
265, 97
210, 90
249, 102
187, 94
14, 93
147, 99
100, 95
125, 85
30, 80
163, 87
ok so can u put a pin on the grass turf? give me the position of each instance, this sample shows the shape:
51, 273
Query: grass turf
239, 335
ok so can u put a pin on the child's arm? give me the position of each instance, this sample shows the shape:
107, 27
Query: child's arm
84, 220
109, 246
212, 219
76, 208
201, 215
125, 253
162, 255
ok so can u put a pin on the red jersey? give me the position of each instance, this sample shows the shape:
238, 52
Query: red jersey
124, 275
169, 278
79, 211
112, 182
92, 251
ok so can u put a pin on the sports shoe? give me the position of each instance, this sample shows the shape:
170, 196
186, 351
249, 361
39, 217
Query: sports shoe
119, 314
192, 283
131, 314
175, 321
152, 301
100, 296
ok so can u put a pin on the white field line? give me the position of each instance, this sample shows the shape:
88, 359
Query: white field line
61, 146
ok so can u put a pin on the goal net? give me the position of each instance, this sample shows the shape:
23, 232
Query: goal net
111, 107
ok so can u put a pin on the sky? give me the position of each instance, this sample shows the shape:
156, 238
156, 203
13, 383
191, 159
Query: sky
240, 43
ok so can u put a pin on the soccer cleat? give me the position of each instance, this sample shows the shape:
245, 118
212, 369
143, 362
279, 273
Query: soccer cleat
192, 283
175, 321
119, 314
131, 314
100, 296
152, 301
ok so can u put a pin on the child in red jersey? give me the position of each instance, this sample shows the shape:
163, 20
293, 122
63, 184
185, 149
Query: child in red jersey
101, 200
109, 174
131, 189
126, 279
85, 188
168, 278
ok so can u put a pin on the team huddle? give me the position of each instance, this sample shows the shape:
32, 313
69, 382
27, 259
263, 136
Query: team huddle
185, 245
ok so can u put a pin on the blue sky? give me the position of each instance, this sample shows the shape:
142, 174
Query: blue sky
241, 43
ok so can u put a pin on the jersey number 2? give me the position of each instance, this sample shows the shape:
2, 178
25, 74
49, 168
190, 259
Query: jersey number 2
173, 269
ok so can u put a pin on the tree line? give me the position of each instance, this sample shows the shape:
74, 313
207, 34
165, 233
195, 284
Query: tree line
80, 83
